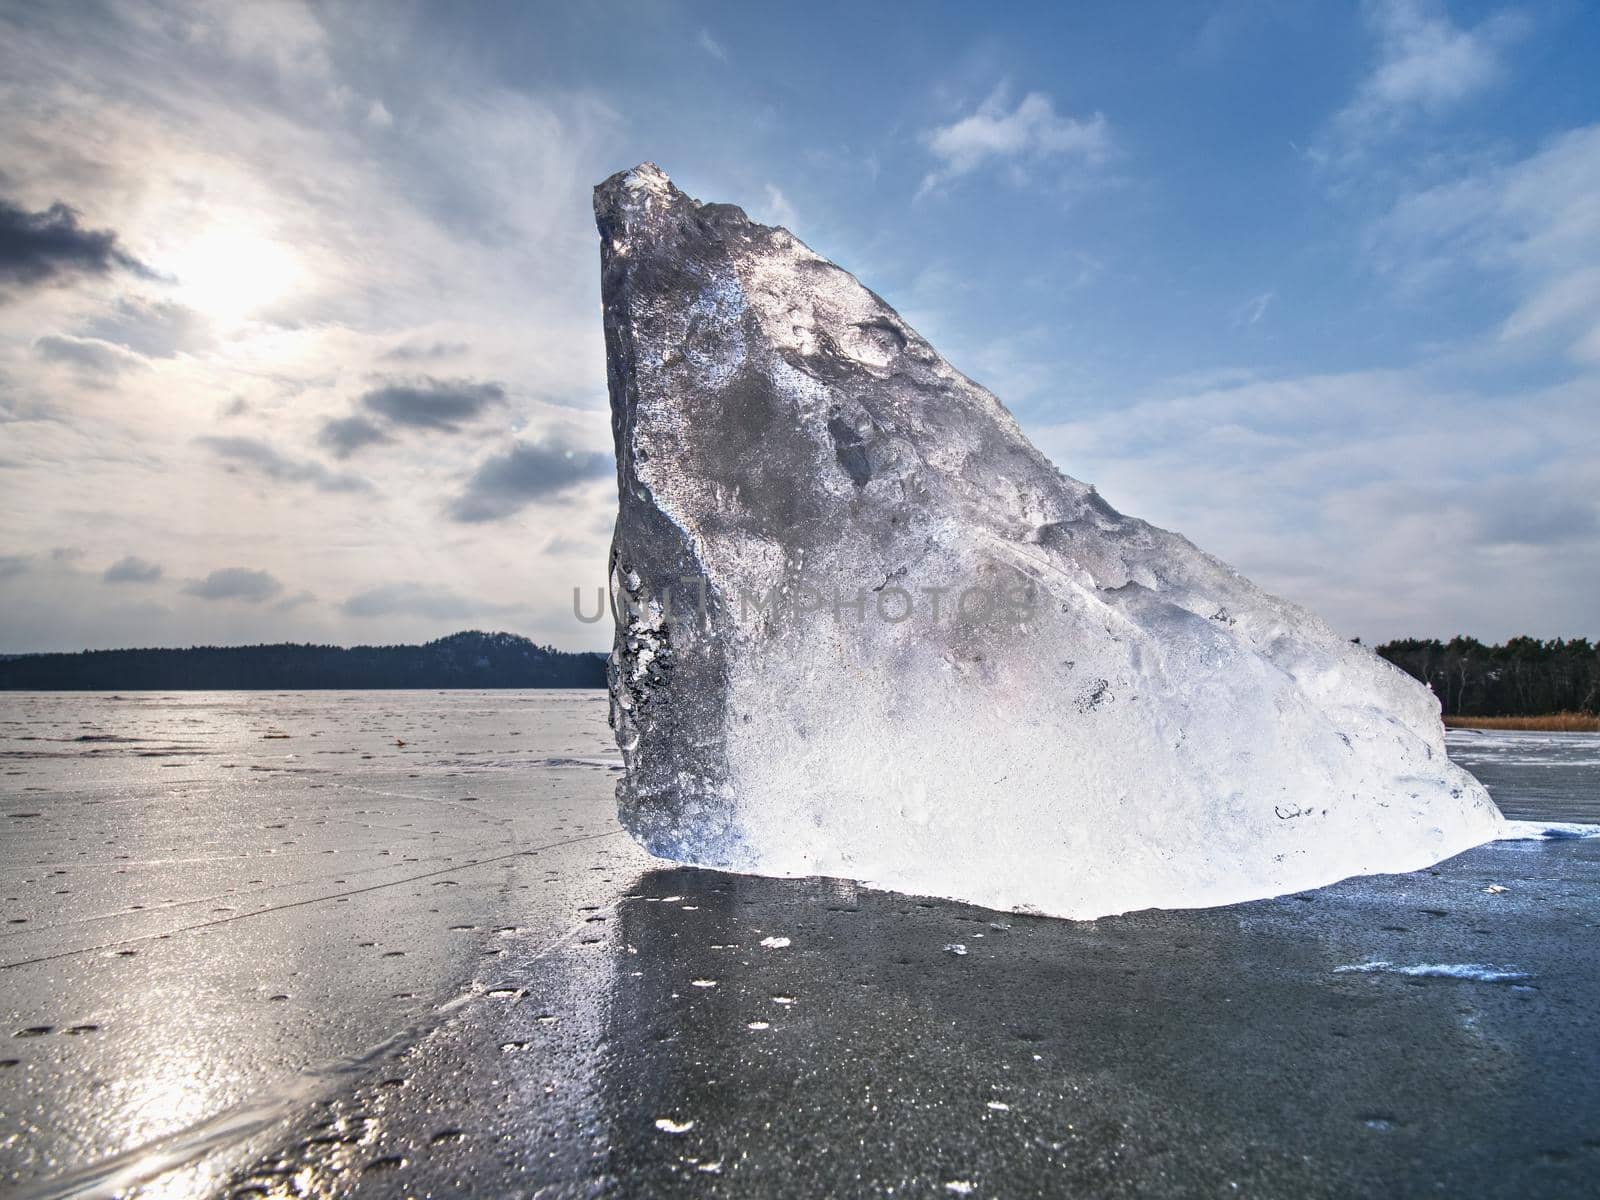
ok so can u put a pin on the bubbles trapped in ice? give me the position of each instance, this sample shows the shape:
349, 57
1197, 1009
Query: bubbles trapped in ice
758, 1025
954, 948
668, 1125
704, 983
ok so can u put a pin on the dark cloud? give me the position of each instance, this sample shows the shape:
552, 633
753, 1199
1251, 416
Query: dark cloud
424, 351
154, 328
505, 483
50, 246
343, 436
132, 569
436, 405
254, 454
88, 354
236, 583
410, 599
1518, 516
427, 403
12, 565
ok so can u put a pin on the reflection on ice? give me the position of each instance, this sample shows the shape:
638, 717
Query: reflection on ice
442, 968
203, 923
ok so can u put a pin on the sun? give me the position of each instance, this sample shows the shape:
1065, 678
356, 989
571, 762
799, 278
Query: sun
230, 273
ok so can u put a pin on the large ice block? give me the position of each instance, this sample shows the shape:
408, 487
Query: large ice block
866, 630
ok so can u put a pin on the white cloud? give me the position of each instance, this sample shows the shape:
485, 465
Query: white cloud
87, 354
416, 599
1017, 138
286, 36
1388, 501
1533, 222
1426, 66
467, 242
254, 456
1254, 309
711, 46
777, 210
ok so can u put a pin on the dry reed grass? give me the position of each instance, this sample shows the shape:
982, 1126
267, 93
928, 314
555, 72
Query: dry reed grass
1554, 723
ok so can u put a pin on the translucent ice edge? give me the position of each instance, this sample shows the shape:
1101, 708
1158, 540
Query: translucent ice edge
1546, 831
1480, 972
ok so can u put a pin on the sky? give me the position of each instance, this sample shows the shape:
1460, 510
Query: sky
299, 305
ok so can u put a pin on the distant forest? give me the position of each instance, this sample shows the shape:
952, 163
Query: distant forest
462, 660
1523, 678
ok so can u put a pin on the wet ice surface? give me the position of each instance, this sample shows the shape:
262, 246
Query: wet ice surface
233, 889
238, 963
1534, 776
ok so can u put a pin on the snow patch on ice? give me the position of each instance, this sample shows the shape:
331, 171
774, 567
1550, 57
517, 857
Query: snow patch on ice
1546, 831
1478, 972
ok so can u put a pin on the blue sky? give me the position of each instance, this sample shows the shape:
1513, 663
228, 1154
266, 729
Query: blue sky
1317, 285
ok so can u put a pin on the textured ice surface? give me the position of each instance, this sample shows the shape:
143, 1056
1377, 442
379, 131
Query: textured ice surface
866, 630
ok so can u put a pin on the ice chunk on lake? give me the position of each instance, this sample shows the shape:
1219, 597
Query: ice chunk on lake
866, 630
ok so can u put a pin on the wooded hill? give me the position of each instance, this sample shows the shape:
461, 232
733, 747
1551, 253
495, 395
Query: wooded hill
462, 660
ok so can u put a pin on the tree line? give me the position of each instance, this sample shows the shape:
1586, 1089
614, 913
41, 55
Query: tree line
462, 660
1525, 677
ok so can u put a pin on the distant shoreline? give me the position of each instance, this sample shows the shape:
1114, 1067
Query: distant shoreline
119, 692
469, 660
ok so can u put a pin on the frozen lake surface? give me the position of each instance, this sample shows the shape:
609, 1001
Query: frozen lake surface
1534, 776
395, 943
